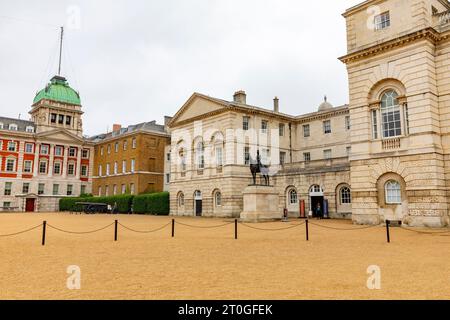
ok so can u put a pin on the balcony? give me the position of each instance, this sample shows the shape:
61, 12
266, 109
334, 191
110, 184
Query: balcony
391, 144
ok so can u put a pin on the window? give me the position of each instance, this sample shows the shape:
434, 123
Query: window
247, 155
57, 168
29, 129
7, 204
68, 120
53, 118
264, 126
281, 129
133, 163
25, 188
71, 169
1, 126
327, 127
265, 156
382, 21
406, 119
109, 149
132, 188
8, 187
293, 198
345, 195
374, 125
114, 190
245, 123
41, 188
116, 147
390, 115
393, 192
12, 146
107, 169
133, 143
124, 189
106, 190
327, 154
13, 127
347, 123
219, 156
69, 189
84, 171
44, 149
125, 145
10, 165
124, 166
200, 156
218, 199
167, 177
85, 154
58, 151
60, 119
307, 157
306, 131
168, 156
82, 189
43, 167
100, 170
72, 152
55, 189
116, 167
99, 190
27, 166
282, 158
181, 199
183, 160
101, 151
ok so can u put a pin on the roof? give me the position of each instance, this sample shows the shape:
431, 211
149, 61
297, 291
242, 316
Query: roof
151, 127
21, 124
58, 90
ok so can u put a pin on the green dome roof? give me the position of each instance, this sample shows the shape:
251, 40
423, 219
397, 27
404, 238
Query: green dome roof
58, 90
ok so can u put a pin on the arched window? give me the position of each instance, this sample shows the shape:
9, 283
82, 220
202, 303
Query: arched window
181, 199
345, 195
197, 195
316, 189
293, 197
218, 199
200, 150
393, 192
390, 115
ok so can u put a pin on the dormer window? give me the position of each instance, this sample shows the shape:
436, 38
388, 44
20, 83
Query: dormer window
29, 129
13, 127
1, 126
382, 21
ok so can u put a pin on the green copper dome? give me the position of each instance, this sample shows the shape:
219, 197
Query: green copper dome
58, 90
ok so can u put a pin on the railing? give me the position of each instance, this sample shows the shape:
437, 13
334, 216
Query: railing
391, 144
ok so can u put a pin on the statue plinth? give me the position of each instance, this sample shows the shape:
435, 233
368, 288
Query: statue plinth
260, 204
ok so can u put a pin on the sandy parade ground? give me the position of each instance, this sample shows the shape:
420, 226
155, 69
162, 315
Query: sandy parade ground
208, 263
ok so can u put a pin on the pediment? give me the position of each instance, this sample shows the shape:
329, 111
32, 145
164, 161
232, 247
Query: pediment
60, 135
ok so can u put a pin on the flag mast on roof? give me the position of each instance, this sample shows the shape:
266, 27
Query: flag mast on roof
60, 50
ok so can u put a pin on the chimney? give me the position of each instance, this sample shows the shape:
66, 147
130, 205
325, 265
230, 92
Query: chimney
240, 97
167, 119
276, 105
116, 127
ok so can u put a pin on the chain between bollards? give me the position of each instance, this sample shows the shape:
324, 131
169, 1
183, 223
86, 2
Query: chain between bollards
44, 228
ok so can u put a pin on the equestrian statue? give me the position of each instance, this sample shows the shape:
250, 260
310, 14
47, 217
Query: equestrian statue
258, 167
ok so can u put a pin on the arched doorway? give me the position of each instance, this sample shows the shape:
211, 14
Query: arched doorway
316, 197
198, 203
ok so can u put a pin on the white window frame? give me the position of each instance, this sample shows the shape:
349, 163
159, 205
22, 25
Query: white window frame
29, 145
13, 127
25, 166
8, 161
327, 127
40, 166
382, 21
393, 192
60, 167
45, 149
14, 148
345, 195
293, 197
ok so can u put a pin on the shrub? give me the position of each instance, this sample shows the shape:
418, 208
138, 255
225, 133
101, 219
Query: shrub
123, 202
155, 203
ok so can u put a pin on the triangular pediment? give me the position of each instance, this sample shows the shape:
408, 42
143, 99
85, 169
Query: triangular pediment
196, 106
60, 135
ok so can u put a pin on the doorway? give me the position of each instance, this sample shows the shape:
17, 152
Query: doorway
316, 196
29, 204
198, 203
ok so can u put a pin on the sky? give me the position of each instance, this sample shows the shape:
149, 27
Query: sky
139, 60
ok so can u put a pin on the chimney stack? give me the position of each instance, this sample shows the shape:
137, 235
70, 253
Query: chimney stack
276, 105
116, 127
240, 97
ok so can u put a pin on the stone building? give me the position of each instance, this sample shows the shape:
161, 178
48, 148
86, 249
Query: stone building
46, 158
213, 141
132, 160
399, 79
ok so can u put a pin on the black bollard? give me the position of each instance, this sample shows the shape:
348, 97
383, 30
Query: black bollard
173, 228
235, 229
388, 234
307, 229
115, 229
44, 228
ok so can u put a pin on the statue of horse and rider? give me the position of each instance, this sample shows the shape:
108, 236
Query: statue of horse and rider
258, 167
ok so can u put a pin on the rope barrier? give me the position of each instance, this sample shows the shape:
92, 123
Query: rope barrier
342, 229
150, 231
20, 232
204, 227
279, 229
424, 232
76, 232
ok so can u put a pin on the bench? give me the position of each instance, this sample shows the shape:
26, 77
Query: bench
91, 208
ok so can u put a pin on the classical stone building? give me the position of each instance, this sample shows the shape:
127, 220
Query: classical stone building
398, 65
213, 141
46, 158
132, 160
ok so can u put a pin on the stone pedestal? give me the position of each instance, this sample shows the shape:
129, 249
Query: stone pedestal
260, 204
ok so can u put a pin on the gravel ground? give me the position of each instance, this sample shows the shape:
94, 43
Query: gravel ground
207, 263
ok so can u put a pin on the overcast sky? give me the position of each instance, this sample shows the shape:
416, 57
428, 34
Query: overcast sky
137, 60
